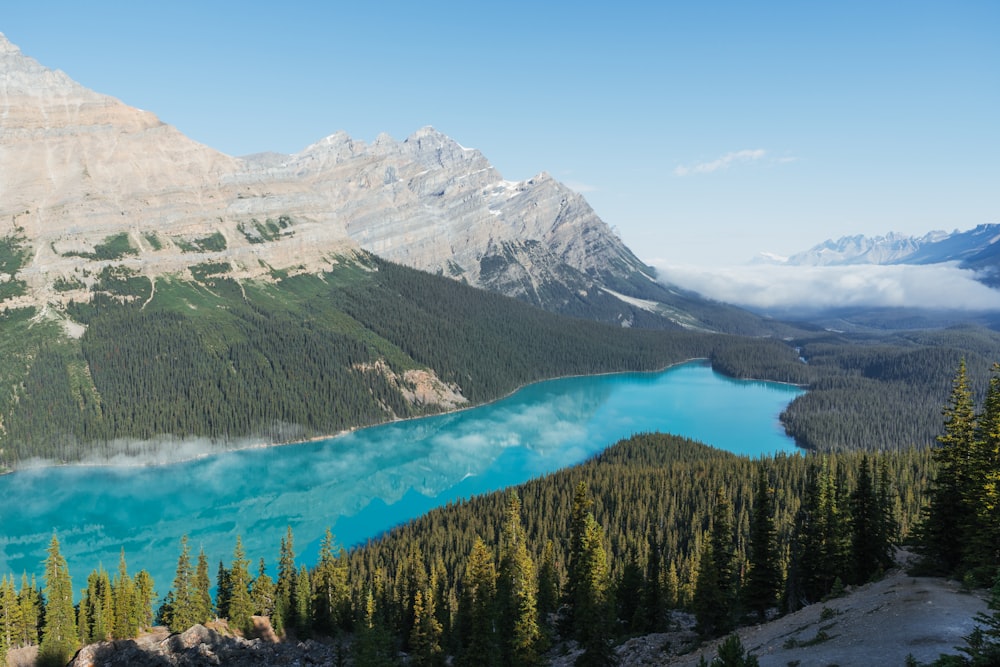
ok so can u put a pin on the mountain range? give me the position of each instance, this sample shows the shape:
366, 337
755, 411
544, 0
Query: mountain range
87, 182
156, 292
975, 249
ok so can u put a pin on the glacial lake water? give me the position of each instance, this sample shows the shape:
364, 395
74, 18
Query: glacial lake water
363, 483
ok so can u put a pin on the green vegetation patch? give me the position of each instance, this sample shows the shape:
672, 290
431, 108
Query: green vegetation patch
113, 247
269, 230
204, 271
213, 243
153, 240
14, 253
61, 284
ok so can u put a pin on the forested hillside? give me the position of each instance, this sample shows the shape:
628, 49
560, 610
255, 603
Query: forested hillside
205, 356
307, 355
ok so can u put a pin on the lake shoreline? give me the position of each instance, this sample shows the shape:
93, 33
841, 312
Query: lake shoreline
142, 461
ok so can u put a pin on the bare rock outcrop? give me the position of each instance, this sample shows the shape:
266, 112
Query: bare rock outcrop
200, 646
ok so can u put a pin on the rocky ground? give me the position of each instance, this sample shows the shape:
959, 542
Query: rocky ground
881, 623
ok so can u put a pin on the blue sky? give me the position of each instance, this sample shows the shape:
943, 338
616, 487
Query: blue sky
704, 132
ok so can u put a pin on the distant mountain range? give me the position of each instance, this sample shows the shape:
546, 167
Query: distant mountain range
976, 249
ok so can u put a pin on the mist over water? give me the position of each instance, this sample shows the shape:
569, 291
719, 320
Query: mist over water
363, 483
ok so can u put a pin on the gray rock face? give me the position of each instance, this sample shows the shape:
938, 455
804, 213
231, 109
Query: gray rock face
199, 646
78, 168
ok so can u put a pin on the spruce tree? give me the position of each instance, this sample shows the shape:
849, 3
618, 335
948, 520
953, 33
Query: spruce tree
548, 583
331, 597
287, 578
982, 488
715, 590
425, 637
653, 603
145, 593
943, 531
59, 636
29, 599
870, 549
302, 602
126, 605
262, 592
593, 613
223, 590
763, 581
577, 530
240, 605
179, 614
10, 613
201, 596
517, 592
476, 621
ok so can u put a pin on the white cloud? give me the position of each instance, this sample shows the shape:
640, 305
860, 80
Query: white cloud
723, 162
939, 286
580, 188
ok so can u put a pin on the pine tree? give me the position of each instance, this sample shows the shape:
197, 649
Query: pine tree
870, 548
29, 598
548, 583
10, 613
126, 604
577, 529
517, 592
425, 637
715, 590
145, 593
302, 602
982, 492
59, 636
179, 614
97, 608
653, 602
764, 568
476, 621
944, 526
287, 577
331, 597
223, 590
592, 605
240, 605
201, 596
262, 592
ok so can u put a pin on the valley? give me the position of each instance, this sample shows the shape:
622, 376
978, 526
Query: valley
507, 439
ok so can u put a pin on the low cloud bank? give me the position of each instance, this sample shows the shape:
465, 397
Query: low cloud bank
937, 287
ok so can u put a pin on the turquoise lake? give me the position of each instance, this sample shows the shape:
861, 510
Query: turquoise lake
363, 483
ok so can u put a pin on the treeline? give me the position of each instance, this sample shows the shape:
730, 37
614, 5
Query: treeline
593, 553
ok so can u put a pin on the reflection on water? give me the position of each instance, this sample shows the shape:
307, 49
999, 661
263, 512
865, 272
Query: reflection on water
364, 482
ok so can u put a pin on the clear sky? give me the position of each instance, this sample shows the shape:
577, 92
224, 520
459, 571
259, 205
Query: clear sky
704, 132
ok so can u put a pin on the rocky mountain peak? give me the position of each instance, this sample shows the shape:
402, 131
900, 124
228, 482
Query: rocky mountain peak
78, 168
